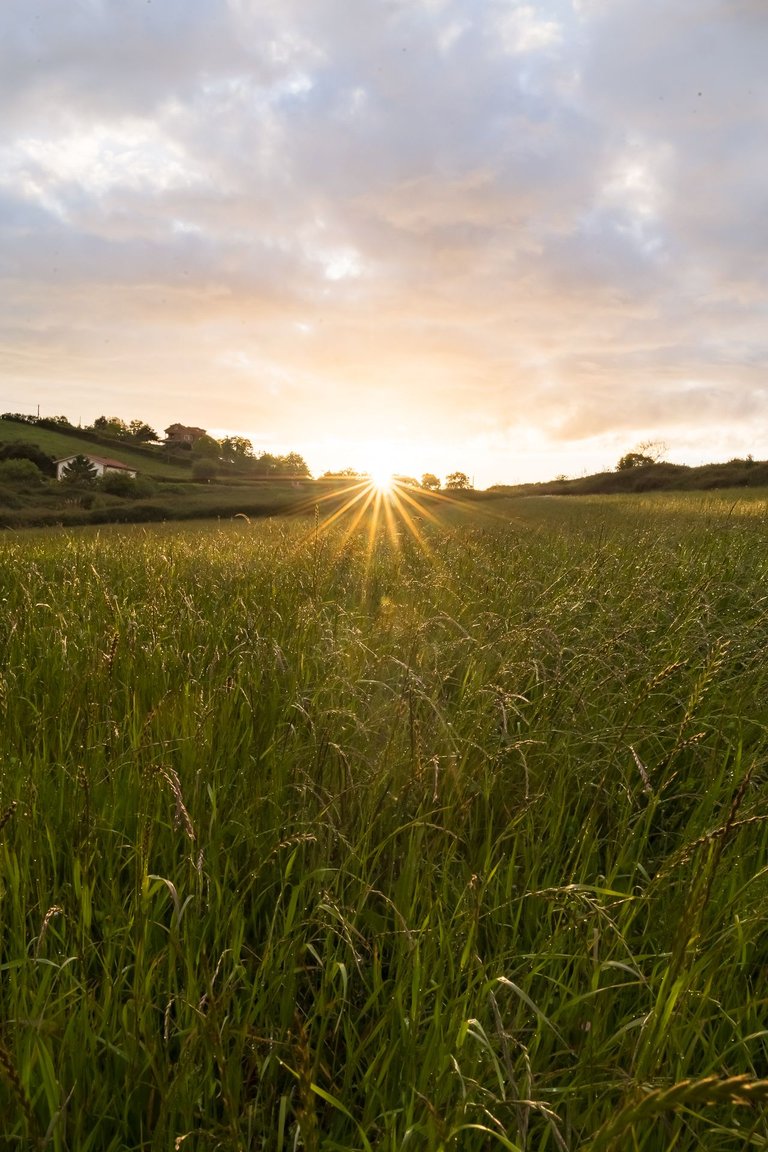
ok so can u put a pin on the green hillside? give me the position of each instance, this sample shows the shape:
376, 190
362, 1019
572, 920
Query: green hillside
57, 443
661, 477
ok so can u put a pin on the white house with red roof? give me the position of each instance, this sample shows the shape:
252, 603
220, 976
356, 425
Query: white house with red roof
102, 464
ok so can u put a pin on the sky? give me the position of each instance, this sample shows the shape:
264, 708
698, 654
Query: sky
515, 239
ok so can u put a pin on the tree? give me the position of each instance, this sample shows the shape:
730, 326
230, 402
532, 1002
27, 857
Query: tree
430, 482
205, 447
236, 450
111, 426
79, 471
296, 465
265, 464
633, 460
457, 480
656, 449
141, 432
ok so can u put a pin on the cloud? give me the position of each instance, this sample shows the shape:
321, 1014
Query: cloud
462, 216
522, 29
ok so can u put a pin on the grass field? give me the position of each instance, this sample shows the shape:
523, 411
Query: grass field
55, 505
454, 839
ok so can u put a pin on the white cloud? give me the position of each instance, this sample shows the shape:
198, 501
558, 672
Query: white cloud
341, 264
523, 30
450, 34
131, 154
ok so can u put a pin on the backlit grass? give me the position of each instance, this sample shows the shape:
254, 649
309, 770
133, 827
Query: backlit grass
345, 842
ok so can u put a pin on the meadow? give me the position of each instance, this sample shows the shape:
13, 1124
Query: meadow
447, 837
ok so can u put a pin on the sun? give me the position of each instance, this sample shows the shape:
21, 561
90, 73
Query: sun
382, 479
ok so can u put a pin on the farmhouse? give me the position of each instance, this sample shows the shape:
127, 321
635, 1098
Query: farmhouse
102, 464
180, 435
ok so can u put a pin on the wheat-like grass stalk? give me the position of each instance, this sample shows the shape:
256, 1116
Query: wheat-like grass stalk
9, 1070
181, 818
659, 1021
688, 851
306, 1111
54, 910
707, 1091
642, 769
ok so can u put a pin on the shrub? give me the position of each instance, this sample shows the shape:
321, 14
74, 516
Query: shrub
120, 484
80, 498
20, 473
205, 469
23, 450
140, 513
9, 499
634, 460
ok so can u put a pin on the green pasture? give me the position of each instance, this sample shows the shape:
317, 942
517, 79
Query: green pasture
446, 837
57, 506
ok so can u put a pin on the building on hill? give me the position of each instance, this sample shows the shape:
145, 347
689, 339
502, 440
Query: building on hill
182, 436
102, 464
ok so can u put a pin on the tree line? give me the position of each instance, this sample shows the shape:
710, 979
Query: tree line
454, 481
210, 457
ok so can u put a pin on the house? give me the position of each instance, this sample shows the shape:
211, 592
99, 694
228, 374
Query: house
102, 464
180, 436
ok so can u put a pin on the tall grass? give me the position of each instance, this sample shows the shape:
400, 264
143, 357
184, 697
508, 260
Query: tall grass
323, 842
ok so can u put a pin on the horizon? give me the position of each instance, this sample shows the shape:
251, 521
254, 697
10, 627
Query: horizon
378, 467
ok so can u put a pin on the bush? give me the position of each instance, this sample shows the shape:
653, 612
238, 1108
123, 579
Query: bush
24, 450
634, 460
205, 469
20, 473
150, 511
120, 484
56, 423
19, 418
129, 514
170, 489
80, 498
9, 499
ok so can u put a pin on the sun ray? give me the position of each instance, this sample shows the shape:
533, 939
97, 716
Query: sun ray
384, 507
399, 498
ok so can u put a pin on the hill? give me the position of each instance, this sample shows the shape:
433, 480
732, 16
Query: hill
650, 478
65, 441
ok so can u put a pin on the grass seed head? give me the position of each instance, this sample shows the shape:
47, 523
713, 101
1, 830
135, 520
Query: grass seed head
181, 817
